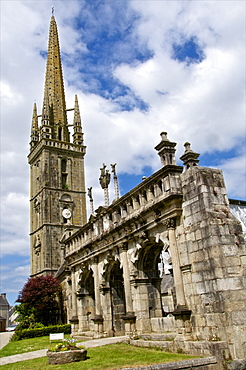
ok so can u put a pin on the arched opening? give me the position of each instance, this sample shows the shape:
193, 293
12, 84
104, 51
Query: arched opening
149, 279
168, 295
150, 268
86, 295
59, 133
118, 307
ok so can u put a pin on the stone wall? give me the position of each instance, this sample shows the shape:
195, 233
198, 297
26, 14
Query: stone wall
215, 288
116, 283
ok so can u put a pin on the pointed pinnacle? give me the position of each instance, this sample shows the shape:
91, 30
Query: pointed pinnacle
77, 117
34, 118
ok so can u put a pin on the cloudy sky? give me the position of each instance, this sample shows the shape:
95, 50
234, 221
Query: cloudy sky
139, 67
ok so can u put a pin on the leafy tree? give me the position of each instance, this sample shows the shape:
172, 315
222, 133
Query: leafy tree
39, 301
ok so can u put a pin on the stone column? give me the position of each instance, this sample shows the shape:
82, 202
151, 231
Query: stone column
177, 274
74, 319
130, 317
98, 319
116, 185
91, 200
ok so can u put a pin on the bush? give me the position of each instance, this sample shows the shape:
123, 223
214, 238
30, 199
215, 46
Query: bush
40, 332
39, 301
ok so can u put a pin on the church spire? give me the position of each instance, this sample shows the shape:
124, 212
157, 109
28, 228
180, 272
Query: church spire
54, 87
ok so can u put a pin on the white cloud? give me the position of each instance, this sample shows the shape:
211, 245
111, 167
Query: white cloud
234, 170
15, 223
13, 277
15, 272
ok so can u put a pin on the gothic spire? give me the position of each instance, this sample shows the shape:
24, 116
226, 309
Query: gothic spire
54, 87
46, 129
77, 135
34, 130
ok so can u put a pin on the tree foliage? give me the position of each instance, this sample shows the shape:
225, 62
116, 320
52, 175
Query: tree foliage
39, 300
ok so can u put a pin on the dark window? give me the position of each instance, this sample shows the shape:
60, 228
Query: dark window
64, 165
59, 133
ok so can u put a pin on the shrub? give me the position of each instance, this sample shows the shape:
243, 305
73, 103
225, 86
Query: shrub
40, 332
39, 301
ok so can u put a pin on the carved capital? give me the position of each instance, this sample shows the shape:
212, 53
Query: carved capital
95, 260
170, 223
124, 246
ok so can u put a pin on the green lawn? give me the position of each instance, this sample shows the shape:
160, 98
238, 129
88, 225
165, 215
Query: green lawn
113, 356
26, 345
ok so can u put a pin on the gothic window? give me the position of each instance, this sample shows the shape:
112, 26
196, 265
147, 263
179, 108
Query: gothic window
59, 133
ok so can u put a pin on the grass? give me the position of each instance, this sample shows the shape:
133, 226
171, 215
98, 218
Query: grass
109, 357
26, 345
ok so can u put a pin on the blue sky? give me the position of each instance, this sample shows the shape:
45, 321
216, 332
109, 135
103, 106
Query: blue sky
139, 68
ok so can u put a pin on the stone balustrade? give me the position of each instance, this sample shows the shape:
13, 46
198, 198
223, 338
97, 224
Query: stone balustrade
144, 198
58, 144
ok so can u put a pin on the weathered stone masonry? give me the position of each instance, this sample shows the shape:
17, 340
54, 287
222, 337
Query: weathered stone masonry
166, 261
113, 261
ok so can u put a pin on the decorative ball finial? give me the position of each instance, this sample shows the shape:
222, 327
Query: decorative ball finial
187, 146
164, 135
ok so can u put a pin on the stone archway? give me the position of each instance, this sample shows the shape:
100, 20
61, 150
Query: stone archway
86, 295
149, 266
117, 294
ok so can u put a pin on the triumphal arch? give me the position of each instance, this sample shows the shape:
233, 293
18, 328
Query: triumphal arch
167, 260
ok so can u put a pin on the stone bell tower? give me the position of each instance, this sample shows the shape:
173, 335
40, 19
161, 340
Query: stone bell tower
57, 184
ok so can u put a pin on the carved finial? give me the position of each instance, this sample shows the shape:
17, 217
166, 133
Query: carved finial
164, 136
104, 177
190, 158
104, 180
116, 185
90, 193
52, 10
113, 168
91, 200
166, 150
187, 146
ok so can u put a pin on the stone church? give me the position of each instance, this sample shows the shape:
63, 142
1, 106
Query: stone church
166, 261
